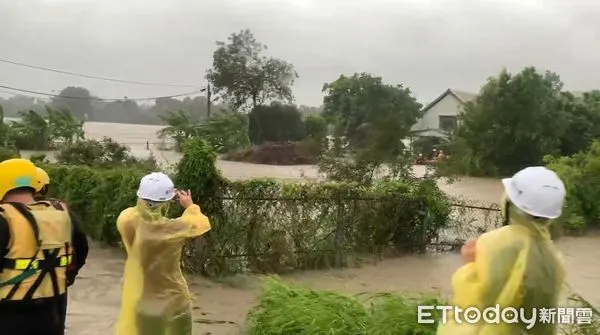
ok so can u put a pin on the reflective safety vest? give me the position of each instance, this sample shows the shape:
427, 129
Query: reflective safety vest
38, 252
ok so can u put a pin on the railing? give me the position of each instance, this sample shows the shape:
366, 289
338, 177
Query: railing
281, 234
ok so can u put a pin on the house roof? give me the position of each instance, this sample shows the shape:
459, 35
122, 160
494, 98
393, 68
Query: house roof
462, 96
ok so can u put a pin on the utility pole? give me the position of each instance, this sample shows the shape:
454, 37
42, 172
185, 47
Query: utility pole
208, 103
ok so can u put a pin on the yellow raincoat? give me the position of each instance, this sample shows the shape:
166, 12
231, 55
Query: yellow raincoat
515, 266
155, 297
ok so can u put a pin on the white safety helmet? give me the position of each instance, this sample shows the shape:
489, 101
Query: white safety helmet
536, 191
157, 187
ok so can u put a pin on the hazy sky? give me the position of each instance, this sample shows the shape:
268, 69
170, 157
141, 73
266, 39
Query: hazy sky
429, 45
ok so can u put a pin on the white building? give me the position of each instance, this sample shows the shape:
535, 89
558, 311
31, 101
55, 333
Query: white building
440, 116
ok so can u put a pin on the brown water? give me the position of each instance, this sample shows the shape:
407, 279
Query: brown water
221, 308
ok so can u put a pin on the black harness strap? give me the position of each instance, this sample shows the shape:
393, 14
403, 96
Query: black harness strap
43, 272
23, 210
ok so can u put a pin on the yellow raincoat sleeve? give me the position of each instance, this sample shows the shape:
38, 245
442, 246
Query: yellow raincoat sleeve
480, 283
125, 226
197, 221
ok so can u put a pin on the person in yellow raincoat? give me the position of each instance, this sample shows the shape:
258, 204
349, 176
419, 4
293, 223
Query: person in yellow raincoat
516, 265
155, 298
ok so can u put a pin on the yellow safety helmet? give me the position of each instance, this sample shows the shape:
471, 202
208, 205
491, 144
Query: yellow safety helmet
43, 179
16, 173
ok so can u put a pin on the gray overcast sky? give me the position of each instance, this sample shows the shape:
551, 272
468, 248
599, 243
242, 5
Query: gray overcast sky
429, 45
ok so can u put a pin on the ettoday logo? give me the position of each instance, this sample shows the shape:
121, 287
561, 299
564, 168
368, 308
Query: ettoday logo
490, 315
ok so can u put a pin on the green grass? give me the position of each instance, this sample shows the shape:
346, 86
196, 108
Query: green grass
291, 310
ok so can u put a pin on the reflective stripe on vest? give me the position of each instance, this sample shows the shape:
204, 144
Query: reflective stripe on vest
38, 252
23, 263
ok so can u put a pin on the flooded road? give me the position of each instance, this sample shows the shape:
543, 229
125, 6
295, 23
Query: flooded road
220, 308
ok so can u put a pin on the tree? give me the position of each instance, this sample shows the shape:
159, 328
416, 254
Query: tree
275, 123
315, 126
370, 119
64, 128
513, 123
181, 127
245, 78
32, 132
76, 99
225, 131
583, 121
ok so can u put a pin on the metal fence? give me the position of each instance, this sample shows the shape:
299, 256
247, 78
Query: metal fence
275, 234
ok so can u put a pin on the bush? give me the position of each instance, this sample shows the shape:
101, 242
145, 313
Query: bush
97, 195
290, 153
267, 225
292, 310
275, 123
8, 153
272, 226
104, 153
581, 175
38, 159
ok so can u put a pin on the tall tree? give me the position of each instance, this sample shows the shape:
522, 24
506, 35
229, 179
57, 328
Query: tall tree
514, 122
373, 118
583, 121
77, 100
245, 78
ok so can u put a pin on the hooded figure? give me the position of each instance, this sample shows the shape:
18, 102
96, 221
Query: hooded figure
514, 266
155, 297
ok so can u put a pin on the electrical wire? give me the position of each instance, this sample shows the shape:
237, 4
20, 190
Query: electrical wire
93, 77
100, 99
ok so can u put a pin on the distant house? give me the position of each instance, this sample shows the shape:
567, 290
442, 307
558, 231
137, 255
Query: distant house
440, 116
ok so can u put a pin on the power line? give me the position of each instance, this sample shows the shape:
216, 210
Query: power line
93, 77
100, 99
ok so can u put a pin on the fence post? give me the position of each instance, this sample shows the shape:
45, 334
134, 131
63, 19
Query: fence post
339, 233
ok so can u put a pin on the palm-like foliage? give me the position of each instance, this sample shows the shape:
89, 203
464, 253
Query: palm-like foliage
181, 126
64, 127
39, 132
224, 131
32, 131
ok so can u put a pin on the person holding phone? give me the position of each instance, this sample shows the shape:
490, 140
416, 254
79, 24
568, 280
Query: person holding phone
155, 297
516, 265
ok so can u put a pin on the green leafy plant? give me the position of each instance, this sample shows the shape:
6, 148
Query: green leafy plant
286, 309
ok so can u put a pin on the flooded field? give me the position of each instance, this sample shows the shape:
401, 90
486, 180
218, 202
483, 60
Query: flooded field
220, 308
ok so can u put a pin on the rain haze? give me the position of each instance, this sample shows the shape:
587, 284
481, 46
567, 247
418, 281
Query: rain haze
426, 45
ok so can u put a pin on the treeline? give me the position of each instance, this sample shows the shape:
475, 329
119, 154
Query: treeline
125, 111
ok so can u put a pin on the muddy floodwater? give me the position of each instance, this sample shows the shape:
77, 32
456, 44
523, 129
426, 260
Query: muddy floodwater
221, 307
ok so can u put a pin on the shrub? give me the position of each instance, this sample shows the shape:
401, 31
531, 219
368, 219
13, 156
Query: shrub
38, 159
104, 153
284, 309
8, 153
275, 123
266, 225
273, 226
97, 195
581, 175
